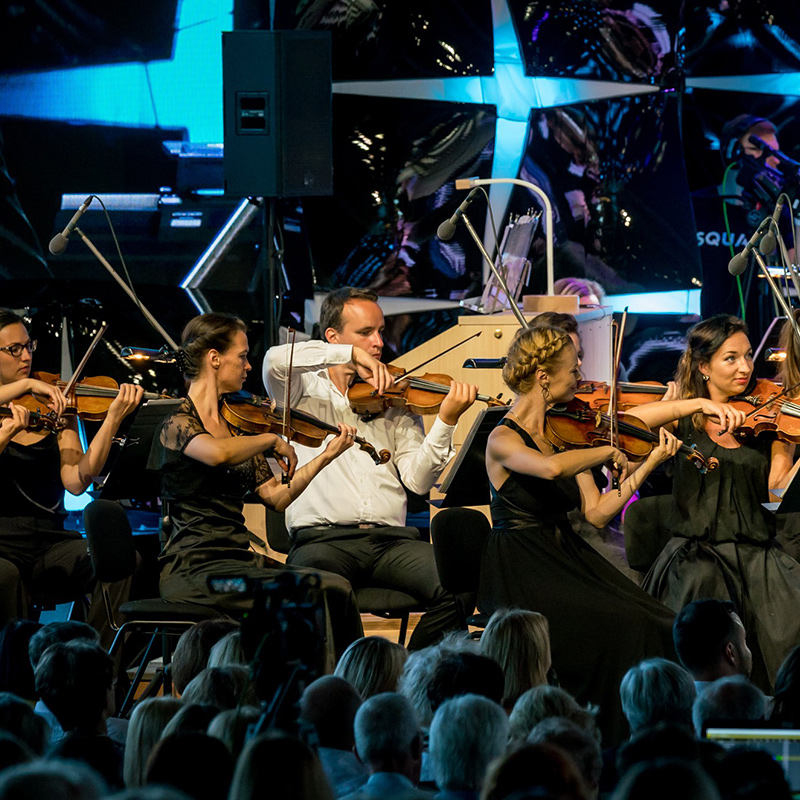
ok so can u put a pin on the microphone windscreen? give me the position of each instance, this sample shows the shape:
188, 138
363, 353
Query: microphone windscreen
446, 230
58, 244
768, 243
738, 264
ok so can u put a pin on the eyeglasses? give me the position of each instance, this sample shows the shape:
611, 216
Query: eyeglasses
15, 350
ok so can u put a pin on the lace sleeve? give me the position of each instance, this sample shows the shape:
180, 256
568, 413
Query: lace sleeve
262, 470
175, 433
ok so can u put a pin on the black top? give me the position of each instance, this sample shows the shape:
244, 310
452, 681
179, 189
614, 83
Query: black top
30, 481
205, 503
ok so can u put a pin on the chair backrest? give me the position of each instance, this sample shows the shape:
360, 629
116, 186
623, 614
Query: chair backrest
108, 532
277, 532
645, 530
459, 537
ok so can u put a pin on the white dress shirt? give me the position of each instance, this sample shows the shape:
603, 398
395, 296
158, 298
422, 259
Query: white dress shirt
353, 490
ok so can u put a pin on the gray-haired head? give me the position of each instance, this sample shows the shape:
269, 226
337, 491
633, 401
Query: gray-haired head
732, 699
467, 733
54, 779
657, 690
386, 728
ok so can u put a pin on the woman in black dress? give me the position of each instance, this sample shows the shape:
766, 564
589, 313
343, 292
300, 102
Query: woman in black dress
207, 471
601, 623
724, 539
39, 559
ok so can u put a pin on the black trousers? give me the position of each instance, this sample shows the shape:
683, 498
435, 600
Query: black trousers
40, 565
389, 557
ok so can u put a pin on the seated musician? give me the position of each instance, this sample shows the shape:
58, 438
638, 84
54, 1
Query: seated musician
352, 520
37, 556
207, 471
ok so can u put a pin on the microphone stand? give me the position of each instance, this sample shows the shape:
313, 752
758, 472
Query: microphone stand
777, 292
500, 279
468, 183
150, 318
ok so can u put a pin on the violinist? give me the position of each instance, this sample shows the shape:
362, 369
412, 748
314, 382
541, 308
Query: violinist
723, 543
352, 521
207, 471
600, 621
38, 558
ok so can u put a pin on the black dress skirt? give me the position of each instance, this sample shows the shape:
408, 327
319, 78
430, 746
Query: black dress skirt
601, 623
724, 547
208, 536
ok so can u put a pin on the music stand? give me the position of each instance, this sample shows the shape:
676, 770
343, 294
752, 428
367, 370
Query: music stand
467, 483
129, 478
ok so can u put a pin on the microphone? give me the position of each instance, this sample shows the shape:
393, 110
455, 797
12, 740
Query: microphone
446, 230
738, 264
58, 244
770, 241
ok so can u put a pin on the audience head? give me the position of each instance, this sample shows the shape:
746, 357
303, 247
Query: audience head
148, 720
193, 648
16, 673
666, 779
466, 673
19, 719
786, 698
193, 762
155, 792
467, 733
519, 641
373, 665
581, 746
666, 740
13, 751
228, 650
420, 666
192, 718
51, 779
543, 702
223, 687
734, 699
278, 766
657, 690
745, 774
534, 767
589, 293
388, 736
231, 726
710, 640
330, 704
74, 680
98, 752
58, 633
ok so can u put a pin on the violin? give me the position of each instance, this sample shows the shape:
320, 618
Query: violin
246, 413
420, 395
598, 395
577, 425
89, 399
769, 411
38, 420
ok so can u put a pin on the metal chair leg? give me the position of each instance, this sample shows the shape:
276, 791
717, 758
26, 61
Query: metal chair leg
401, 637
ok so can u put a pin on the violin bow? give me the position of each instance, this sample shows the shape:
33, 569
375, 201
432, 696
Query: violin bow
438, 355
86, 356
613, 399
285, 479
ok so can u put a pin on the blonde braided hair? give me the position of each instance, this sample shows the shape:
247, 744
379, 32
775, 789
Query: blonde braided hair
532, 349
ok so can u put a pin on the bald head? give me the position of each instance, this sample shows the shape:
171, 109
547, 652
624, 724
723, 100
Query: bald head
330, 705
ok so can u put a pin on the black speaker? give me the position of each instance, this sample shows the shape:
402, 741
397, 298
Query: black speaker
277, 108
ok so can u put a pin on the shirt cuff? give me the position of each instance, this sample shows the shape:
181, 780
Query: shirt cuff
441, 434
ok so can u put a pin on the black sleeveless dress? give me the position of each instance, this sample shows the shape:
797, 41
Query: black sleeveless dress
724, 547
601, 623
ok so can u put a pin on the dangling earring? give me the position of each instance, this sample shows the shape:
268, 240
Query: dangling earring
545, 391
705, 378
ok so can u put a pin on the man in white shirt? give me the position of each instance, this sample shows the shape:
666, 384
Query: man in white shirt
351, 518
